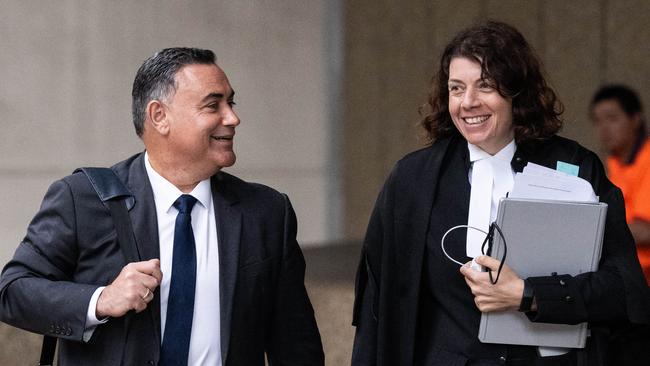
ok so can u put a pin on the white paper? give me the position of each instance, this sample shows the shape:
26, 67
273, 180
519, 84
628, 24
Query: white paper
538, 182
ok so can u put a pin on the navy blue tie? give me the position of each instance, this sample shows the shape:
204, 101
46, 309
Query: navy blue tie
180, 304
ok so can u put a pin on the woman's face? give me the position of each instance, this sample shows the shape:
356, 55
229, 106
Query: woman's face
479, 112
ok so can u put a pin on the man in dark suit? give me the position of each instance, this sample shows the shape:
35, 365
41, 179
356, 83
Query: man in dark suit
220, 279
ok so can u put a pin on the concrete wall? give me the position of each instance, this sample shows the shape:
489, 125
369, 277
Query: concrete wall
392, 49
67, 67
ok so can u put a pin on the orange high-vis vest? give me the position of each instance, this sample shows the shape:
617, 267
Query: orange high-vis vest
634, 180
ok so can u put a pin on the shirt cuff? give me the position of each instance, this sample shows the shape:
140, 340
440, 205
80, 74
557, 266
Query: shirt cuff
91, 318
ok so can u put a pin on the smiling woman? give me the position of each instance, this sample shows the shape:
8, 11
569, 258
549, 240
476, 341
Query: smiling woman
515, 75
479, 112
490, 112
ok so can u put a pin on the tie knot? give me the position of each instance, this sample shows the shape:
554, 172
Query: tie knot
184, 203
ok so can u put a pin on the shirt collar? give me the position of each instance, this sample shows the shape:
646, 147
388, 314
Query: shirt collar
165, 193
505, 154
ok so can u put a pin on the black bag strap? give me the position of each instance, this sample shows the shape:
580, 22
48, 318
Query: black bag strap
47, 351
119, 200
124, 230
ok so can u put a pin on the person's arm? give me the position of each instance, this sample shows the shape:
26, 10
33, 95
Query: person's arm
506, 294
364, 351
37, 291
597, 296
561, 299
638, 205
366, 316
91, 316
133, 289
640, 231
295, 338
614, 293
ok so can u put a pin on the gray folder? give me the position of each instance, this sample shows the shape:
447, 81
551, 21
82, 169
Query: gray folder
543, 237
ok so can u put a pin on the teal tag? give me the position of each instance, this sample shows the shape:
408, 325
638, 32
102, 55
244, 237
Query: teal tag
567, 168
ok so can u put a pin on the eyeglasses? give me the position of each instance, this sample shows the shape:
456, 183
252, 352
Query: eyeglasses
488, 241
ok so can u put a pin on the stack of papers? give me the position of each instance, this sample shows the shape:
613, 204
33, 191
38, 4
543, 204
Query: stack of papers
536, 250
541, 183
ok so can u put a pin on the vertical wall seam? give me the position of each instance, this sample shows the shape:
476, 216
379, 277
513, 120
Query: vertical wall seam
602, 62
335, 56
541, 30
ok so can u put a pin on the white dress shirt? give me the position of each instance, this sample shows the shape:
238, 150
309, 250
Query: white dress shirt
502, 171
205, 342
498, 181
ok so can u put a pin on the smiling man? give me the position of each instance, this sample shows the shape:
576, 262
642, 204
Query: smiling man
220, 276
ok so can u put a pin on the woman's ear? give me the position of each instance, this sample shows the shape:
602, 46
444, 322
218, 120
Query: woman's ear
156, 114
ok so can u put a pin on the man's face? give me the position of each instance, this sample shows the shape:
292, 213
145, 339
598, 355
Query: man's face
616, 130
201, 119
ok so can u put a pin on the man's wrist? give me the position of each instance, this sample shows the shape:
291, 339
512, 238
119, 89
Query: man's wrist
92, 317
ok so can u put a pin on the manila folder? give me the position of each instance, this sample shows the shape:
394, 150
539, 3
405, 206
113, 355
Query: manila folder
544, 237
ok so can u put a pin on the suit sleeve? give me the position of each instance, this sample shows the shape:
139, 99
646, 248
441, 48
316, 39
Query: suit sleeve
37, 292
615, 292
295, 338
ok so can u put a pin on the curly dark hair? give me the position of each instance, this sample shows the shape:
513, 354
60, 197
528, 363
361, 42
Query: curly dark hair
508, 61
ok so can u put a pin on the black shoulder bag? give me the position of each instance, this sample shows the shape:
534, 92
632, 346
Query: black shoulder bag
118, 199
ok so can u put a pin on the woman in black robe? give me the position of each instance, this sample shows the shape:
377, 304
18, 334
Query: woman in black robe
413, 306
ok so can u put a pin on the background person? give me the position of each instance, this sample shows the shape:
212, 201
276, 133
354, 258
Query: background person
617, 113
489, 103
221, 276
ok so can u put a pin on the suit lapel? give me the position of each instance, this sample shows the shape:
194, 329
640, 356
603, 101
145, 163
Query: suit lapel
228, 218
145, 227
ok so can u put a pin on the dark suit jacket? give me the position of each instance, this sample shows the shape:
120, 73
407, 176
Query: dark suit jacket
390, 269
70, 249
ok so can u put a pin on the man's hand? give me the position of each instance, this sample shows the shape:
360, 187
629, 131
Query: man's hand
505, 295
131, 290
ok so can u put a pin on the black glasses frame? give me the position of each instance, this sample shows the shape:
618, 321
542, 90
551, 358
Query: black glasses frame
489, 240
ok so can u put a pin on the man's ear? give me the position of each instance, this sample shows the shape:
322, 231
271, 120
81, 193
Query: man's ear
156, 114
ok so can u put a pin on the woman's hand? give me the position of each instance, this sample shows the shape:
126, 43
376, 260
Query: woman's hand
505, 295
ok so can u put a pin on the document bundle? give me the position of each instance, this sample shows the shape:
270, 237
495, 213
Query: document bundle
553, 223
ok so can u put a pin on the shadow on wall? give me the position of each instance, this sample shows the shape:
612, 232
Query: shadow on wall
329, 281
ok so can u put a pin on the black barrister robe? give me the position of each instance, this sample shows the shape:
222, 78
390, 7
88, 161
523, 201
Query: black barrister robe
390, 271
